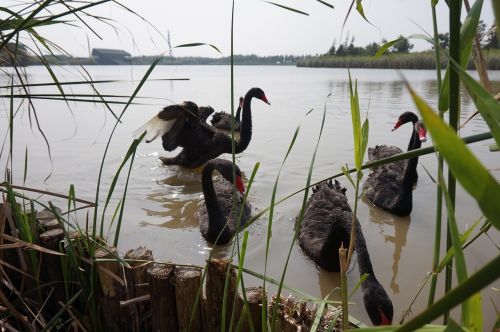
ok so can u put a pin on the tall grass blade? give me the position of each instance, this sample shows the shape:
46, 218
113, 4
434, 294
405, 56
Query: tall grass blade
270, 224
356, 123
135, 143
319, 312
467, 33
198, 44
130, 154
472, 322
484, 101
55, 318
25, 165
101, 167
298, 221
473, 176
384, 48
287, 8
477, 281
326, 3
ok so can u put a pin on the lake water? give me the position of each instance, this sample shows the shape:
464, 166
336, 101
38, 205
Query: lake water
162, 201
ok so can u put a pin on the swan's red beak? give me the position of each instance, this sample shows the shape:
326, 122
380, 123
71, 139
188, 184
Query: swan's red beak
383, 319
422, 134
397, 125
264, 99
241, 102
239, 184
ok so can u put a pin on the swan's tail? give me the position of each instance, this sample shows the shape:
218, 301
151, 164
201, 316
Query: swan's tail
154, 128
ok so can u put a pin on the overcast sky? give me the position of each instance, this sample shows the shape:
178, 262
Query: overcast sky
260, 28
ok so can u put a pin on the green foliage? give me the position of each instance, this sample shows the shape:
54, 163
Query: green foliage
403, 45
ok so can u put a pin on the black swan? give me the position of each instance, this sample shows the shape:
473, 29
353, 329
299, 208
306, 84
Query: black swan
222, 120
216, 220
180, 126
327, 224
204, 112
390, 186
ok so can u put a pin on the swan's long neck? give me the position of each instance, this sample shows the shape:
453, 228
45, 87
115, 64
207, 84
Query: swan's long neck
411, 167
246, 125
216, 219
364, 262
238, 115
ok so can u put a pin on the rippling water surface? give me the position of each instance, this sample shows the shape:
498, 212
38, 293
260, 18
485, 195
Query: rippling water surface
161, 202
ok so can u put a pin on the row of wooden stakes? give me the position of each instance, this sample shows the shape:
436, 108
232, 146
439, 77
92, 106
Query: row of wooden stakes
138, 294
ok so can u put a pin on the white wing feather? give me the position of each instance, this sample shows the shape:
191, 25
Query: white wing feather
154, 128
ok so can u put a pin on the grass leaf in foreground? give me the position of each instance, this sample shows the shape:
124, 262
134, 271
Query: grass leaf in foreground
477, 281
484, 101
287, 8
467, 33
468, 170
198, 44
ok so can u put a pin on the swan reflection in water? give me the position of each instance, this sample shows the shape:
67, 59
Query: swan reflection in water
178, 194
401, 226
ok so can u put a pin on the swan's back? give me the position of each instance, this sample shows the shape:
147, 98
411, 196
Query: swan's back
326, 209
384, 188
222, 120
224, 190
386, 151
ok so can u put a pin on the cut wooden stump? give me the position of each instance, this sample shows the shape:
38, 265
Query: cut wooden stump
51, 267
187, 281
139, 259
110, 274
163, 300
216, 277
254, 297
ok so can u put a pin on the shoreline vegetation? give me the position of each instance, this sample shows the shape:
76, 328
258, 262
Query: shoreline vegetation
413, 60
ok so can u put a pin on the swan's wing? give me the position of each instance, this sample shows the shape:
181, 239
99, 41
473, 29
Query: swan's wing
165, 120
154, 128
204, 112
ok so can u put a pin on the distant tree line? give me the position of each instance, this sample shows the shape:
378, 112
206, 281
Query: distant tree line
286, 60
488, 39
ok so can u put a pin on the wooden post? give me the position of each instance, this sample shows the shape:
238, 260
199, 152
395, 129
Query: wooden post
214, 289
51, 268
140, 259
187, 281
110, 274
163, 298
254, 300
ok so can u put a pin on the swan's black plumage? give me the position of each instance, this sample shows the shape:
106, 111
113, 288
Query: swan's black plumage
222, 120
216, 220
390, 186
327, 224
204, 112
180, 126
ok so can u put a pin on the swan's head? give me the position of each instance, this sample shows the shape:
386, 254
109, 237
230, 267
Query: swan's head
257, 93
405, 118
420, 129
241, 101
225, 168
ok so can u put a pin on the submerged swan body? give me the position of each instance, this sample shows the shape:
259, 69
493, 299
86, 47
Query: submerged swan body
390, 186
217, 222
327, 225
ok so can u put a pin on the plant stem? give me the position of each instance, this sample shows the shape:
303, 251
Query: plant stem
455, 7
343, 286
439, 193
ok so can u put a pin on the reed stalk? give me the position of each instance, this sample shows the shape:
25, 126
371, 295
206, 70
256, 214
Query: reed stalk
454, 100
439, 192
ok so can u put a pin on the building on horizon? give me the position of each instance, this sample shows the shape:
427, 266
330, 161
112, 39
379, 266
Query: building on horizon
106, 56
